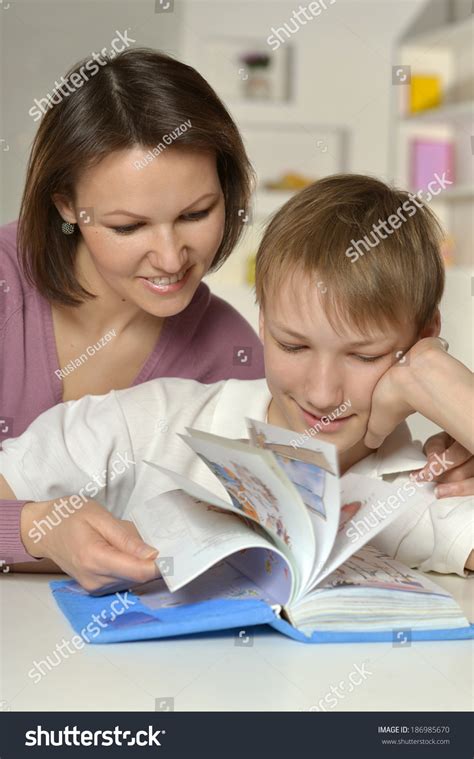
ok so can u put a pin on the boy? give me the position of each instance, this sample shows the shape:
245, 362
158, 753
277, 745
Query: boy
330, 352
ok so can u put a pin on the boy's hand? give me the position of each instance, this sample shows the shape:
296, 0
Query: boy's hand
101, 552
458, 477
389, 405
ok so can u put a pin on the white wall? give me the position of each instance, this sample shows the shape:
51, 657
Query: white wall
40, 42
343, 63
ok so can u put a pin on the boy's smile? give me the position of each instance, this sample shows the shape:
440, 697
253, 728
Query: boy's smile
320, 377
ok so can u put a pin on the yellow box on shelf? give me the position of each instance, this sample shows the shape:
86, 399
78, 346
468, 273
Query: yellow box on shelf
425, 92
250, 270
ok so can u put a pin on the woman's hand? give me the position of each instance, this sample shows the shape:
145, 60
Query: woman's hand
458, 476
100, 551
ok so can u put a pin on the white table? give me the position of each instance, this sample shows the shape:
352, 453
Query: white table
211, 673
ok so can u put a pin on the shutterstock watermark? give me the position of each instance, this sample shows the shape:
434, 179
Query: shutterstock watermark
168, 140
337, 692
67, 506
395, 220
298, 19
325, 420
78, 78
74, 736
91, 350
382, 509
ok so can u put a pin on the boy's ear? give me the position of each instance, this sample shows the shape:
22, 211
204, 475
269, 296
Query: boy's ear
261, 324
433, 328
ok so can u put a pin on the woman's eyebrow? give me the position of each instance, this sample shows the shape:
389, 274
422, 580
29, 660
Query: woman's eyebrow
139, 216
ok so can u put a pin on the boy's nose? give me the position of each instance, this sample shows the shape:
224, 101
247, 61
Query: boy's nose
324, 391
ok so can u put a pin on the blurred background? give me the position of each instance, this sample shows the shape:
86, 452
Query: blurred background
382, 87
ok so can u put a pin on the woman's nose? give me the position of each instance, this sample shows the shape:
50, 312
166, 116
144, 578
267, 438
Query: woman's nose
167, 253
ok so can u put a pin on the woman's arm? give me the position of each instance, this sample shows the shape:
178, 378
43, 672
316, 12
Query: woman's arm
91, 545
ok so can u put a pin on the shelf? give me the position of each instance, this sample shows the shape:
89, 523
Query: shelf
451, 112
449, 35
460, 192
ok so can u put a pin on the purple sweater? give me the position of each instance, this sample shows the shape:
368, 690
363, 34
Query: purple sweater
201, 343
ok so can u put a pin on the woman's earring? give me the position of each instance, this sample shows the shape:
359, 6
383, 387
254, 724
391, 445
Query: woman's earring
67, 228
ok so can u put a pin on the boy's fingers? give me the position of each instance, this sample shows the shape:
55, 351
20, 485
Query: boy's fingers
373, 441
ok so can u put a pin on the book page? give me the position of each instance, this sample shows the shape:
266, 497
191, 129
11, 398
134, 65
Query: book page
370, 568
368, 505
223, 581
259, 488
312, 466
192, 535
372, 592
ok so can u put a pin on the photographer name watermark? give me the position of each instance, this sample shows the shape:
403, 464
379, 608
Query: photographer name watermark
315, 429
168, 140
91, 350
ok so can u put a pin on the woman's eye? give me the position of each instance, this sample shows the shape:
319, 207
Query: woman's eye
196, 216
126, 229
368, 359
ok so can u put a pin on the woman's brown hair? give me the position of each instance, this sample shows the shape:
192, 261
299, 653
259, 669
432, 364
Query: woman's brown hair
133, 99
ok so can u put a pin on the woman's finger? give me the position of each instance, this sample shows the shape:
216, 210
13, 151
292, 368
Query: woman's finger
463, 472
123, 536
453, 489
448, 459
437, 444
123, 567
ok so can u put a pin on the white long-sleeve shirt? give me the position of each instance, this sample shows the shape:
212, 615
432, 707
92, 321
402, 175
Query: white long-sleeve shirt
95, 447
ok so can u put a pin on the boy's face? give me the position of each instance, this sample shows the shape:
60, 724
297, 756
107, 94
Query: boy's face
312, 370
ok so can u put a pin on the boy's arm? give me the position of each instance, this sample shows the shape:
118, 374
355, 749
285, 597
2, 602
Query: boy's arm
430, 381
438, 535
80, 447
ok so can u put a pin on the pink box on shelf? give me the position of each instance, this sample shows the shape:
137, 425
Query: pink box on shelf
430, 157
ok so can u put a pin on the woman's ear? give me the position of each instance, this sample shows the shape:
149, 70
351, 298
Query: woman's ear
64, 207
433, 328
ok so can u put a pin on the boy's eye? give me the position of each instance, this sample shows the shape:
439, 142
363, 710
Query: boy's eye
196, 216
368, 359
291, 348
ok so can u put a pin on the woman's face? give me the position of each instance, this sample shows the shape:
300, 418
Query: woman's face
149, 234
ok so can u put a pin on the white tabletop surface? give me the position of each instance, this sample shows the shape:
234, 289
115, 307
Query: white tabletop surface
211, 673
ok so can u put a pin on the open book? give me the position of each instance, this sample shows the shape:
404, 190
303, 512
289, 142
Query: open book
282, 539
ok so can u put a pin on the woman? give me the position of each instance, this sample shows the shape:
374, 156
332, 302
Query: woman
133, 192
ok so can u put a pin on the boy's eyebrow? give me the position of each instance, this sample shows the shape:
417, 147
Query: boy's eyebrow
353, 344
141, 216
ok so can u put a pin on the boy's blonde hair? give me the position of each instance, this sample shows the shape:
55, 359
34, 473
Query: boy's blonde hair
326, 231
